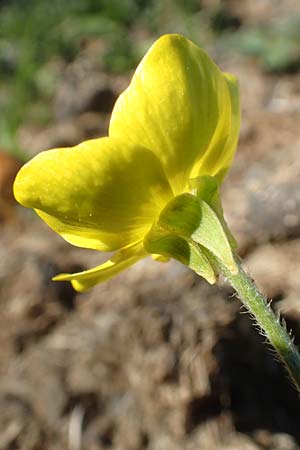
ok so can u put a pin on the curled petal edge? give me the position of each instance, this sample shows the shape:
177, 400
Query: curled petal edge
121, 260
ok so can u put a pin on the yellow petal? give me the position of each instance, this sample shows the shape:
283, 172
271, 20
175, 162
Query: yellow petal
174, 106
102, 194
124, 258
219, 155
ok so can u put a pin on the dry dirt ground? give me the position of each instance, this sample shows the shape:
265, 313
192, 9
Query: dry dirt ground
156, 358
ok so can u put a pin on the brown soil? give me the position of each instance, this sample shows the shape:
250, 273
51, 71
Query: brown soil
156, 359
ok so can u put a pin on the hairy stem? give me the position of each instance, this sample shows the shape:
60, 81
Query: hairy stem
269, 322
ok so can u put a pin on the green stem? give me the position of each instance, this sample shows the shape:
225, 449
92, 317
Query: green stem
269, 323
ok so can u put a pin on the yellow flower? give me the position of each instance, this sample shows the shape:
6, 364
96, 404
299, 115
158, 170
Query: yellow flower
177, 120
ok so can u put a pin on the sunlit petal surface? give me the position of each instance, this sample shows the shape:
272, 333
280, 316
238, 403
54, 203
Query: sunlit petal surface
182, 107
102, 194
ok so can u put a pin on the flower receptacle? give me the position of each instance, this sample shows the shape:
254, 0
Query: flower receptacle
190, 230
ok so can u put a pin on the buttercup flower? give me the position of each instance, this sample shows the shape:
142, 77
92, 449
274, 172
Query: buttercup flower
175, 125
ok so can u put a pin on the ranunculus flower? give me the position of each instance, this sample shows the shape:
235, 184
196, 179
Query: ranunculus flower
177, 122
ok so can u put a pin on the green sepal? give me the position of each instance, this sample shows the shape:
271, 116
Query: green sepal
194, 220
207, 188
161, 242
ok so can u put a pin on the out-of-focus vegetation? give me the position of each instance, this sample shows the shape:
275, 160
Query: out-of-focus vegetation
38, 37
275, 45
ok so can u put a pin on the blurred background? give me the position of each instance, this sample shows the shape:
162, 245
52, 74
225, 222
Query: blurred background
155, 358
